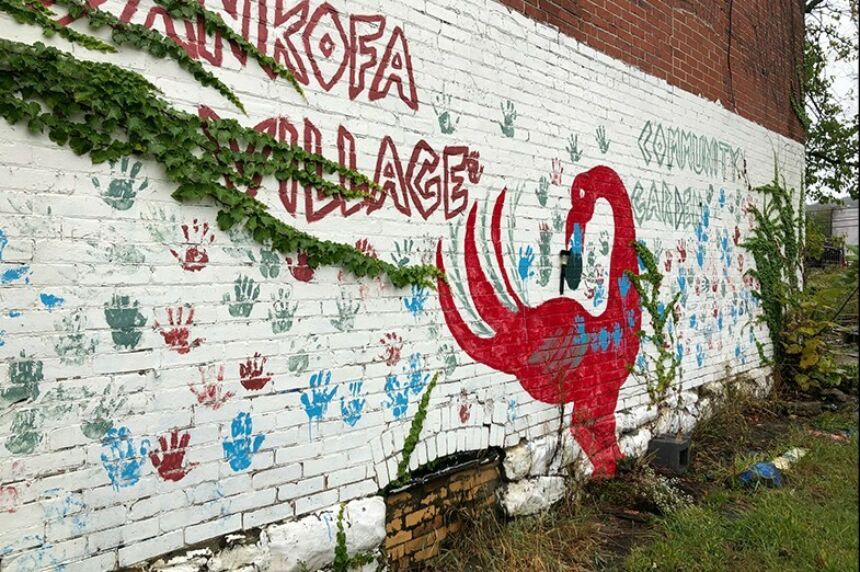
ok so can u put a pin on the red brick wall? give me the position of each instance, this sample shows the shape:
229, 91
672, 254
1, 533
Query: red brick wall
687, 43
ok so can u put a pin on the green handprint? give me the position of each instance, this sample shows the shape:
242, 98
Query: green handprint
509, 115
281, 314
100, 419
346, 312
545, 271
122, 190
270, 263
602, 141
247, 292
25, 376
557, 219
444, 117
401, 255
74, 346
58, 401
573, 148
449, 357
25, 432
543, 191
125, 321
298, 362
604, 242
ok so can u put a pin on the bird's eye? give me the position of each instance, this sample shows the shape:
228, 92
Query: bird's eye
581, 193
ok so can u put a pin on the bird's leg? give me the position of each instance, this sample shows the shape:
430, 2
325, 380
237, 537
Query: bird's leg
593, 427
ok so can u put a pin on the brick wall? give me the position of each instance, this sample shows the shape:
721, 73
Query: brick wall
420, 518
164, 383
744, 54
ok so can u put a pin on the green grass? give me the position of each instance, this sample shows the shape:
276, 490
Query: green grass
811, 523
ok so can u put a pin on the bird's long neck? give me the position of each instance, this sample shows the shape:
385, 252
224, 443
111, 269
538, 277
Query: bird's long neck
621, 295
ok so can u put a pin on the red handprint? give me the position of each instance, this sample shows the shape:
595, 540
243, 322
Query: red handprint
740, 262
667, 264
176, 336
465, 410
170, 465
8, 499
557, 171
196, 238
473, 167
366, 248
300, 271
737, 236
251, 374
392, 345
682, 251
210, 394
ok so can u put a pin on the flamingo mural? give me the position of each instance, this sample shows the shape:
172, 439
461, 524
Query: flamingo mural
558, 351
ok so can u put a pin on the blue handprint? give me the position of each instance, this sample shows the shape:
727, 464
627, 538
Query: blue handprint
682, 279
120, 460
415, 303
351, 410
599, 292
398, 397
527, 258
700, 354
317, 399
700, 254
238, 451
417, 379
3, 242
722, 197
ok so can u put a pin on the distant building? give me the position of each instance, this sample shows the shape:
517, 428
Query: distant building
838, 220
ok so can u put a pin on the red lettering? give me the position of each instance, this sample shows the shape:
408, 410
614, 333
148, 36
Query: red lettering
395, 63
189, 44
317, 204
346, 157
285, 51
456, 197
426, 194
389, 175
326, 47
361, 44
288, 189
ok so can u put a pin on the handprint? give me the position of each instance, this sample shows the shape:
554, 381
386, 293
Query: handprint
301, 271
123, 188
211, 393
604, 242
281, 314
573, 148
317, 398
667, 264
557, 171
527, 258
557, 219
171, 464
298, 362
363, 246
125, 321
446, 125
352, 409
401, 255
449, 357
246, 292
121, 460
238, 451
544, 247
100, 420
602, 141
509, 115
251, 373
25, 432
681, 247
25, 375
736, 238
415, 303
392, 345
398, 397
465, 409
74, 346
270, 263
417, 378
177, 334
542, 191
346, 312
197, 237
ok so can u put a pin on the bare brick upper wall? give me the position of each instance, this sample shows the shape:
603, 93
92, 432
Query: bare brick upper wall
688, 43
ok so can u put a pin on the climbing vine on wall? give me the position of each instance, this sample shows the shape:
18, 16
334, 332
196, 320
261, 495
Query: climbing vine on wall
108, 112
666, 363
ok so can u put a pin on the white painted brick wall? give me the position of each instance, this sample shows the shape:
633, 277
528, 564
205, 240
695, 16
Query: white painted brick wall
57, 501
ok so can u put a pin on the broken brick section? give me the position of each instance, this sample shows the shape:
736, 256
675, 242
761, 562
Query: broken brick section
421, 517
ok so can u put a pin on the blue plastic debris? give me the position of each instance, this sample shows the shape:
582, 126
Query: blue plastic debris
761, 473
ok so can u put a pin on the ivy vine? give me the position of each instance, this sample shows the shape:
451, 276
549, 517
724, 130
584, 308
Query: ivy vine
342, 561
35, 13
647, 284
414, 435
109, 112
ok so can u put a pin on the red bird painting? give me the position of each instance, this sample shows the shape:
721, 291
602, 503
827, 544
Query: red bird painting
558, 351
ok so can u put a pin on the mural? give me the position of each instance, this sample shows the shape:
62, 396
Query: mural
159, 375
559, 352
